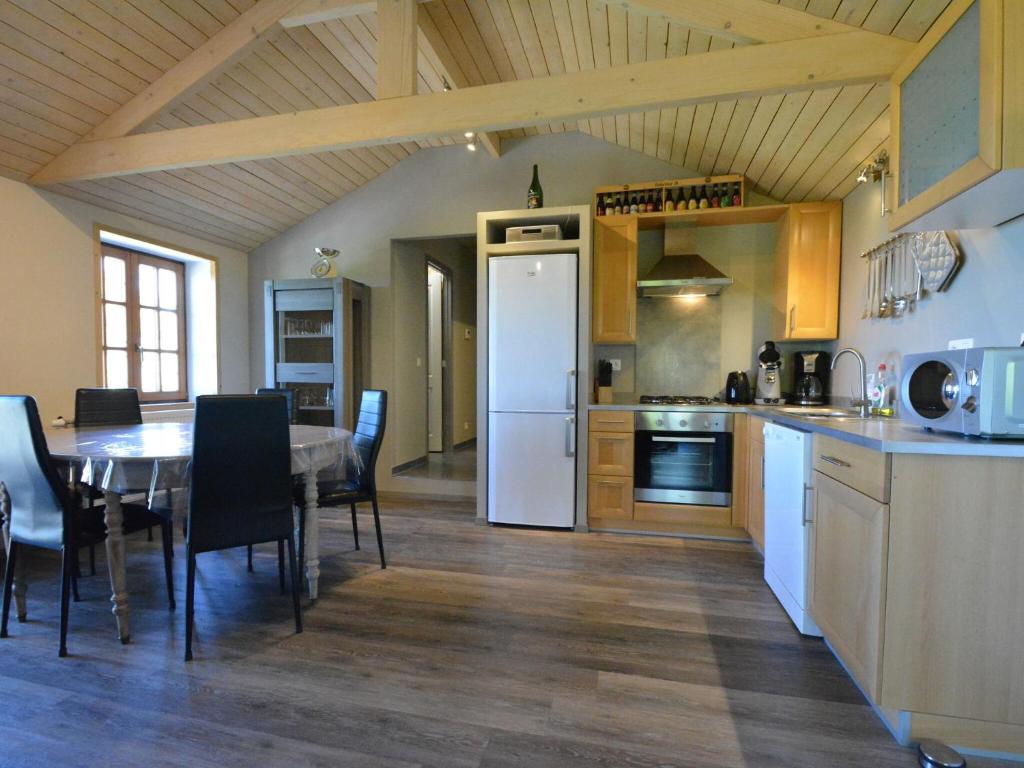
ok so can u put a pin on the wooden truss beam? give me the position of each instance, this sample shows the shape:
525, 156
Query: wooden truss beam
737, 73
742, 21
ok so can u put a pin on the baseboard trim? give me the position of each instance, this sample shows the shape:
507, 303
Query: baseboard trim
400, 496
471, 443
399, 469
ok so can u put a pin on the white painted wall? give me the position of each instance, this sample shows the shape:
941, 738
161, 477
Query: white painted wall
434, 193
985, 300
48, 296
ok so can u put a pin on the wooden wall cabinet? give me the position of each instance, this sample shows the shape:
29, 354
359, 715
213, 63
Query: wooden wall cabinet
755, 482
851, 546
614, 277
957, 107
807, 263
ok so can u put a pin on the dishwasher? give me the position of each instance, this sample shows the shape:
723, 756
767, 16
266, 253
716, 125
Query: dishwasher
788, 520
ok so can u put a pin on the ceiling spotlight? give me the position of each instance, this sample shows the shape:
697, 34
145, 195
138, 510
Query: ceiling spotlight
470, 134
863, 177
445, 85
471, 146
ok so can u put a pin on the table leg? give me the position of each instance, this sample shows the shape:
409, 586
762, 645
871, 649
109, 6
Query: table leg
114, 519
312, 543
20, 571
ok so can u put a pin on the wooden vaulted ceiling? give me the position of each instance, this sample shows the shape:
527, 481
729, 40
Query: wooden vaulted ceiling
66, 65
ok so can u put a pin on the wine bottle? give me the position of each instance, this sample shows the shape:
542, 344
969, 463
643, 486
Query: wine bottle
634, 206
716, 198
658, 205
672, 201
691, 198
535, 195
618, 205
703, 202
726, 196
600, 206
736, 199
609, 205
641, 204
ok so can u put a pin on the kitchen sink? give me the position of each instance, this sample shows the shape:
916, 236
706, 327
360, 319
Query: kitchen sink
822, 412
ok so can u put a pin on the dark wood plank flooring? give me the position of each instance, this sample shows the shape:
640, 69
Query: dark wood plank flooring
477, 648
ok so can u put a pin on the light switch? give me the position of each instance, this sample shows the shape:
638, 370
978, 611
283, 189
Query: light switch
419, 362
616, 364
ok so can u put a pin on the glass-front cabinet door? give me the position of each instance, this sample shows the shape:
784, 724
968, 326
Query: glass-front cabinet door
304, 351
947, 116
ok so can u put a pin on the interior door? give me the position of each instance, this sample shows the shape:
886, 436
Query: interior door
435, 360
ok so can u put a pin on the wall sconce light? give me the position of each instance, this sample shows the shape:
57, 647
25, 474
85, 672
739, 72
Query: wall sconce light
445, 85
877, 170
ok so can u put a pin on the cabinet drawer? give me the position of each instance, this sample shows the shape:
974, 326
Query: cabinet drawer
683, 514
611, 421
611, 453
610, 497
860, 468
298, 373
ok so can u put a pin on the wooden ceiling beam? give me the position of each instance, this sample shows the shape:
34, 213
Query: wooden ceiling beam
432, 43
396, 48
736, 73
315, 11
197, 69
741, 21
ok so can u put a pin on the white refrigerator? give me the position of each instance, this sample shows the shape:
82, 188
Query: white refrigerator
531, 389
788, 518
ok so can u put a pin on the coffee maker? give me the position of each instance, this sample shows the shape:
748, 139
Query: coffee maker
769, 374
811, 371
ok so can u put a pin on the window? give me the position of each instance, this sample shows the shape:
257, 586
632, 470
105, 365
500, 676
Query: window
143, 316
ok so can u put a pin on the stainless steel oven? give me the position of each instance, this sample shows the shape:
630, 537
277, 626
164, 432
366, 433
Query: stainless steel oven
683, 457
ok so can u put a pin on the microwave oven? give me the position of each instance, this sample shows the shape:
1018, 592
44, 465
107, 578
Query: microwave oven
977, 391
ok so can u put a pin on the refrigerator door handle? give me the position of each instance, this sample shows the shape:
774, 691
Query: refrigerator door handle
570, 436
805, 518
570, 390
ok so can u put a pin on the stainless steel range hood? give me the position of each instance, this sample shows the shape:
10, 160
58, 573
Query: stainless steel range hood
682, 275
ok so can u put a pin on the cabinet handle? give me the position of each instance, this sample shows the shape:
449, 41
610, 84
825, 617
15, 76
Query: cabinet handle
762, 473
806, 519
836, 462
570, 390
570, 436
629, 320
792, 318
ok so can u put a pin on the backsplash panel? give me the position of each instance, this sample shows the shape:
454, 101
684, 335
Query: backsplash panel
678, 346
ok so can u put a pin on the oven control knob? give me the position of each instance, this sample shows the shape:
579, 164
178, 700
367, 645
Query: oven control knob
971, 377
661, 422
707, 423
970, 404
683, 422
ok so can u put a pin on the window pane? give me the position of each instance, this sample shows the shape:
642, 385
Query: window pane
168, 289
113, 279
115, 324
169, 371
169, 331
149, 332
147, 285
117, 369
150, 371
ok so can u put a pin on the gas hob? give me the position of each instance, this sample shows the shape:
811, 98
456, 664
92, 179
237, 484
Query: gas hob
678, 400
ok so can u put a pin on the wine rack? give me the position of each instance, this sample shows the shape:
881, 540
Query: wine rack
663, 199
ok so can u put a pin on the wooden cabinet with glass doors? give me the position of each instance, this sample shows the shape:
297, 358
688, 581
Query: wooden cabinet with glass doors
317, 344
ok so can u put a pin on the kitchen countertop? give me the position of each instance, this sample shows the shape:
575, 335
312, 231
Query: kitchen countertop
888, 435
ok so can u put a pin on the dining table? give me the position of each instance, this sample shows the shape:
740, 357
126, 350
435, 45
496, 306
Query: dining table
152, 458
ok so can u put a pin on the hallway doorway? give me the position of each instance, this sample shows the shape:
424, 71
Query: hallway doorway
439, 344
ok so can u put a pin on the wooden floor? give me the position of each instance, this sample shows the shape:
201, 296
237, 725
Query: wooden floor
477, 647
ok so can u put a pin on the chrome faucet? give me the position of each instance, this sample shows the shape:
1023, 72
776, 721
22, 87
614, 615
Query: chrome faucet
865, 406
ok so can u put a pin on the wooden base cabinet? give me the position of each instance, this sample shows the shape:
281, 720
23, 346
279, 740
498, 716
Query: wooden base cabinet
755, 481
609, 498
851, 544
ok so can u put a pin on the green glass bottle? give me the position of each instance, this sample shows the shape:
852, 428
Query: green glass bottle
535, 195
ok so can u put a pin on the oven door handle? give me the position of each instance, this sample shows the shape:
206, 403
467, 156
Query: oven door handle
658, 439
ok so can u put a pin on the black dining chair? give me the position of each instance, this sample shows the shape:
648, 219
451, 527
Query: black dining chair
360, 483
96, 407
289, 398
42, 513
241, 487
